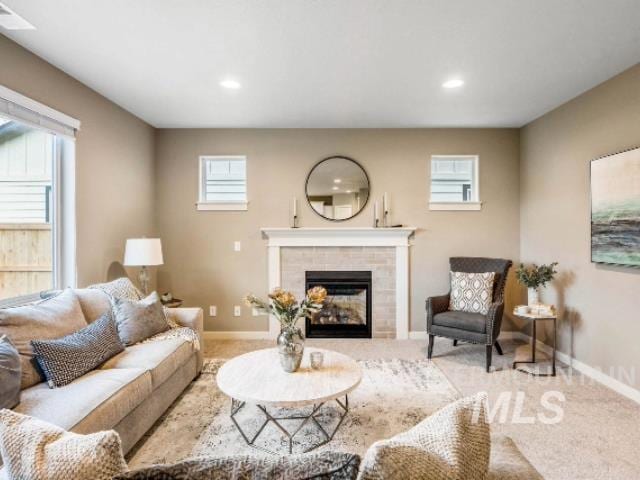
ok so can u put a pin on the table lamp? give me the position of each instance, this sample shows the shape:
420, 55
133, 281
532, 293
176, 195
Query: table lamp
143, 252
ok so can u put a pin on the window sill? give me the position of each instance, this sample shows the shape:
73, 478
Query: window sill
235, 206
459, 206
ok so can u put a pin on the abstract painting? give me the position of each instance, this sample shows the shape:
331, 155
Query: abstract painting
615, 209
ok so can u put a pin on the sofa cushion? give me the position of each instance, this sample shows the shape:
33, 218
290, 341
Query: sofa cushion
37, 450
10, 374
474, 322
139, 320
508, 463
161, 358
317, 466
64, 359
95, 401
52, 318
119, 288
94, 303
452, 444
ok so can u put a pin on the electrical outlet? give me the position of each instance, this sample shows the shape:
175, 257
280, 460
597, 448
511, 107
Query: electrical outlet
236, 246
254, 312
213, 310
236, 311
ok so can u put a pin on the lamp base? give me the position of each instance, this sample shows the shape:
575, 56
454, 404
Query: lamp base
143, 277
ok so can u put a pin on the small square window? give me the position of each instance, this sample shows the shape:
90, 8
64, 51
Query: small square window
223, 183
454, 182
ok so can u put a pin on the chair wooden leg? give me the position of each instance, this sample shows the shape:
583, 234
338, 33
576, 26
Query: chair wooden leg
430, 346
455, 343
489, 353
498, 348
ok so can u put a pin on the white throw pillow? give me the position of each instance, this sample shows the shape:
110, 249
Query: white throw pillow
37, 450
471, 292
452, 444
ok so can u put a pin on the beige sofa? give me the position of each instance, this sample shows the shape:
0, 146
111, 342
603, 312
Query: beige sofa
130, 391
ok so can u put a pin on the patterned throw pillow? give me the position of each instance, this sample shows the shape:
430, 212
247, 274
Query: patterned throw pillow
37, 450
452, 444
316, 466
52, 318
65, 359
10, 373
139, 320
471, 292
119, 288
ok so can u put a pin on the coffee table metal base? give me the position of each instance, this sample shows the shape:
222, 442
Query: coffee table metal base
311, 418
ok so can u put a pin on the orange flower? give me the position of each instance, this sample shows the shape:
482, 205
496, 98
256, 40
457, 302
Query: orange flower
282, 297
317, 294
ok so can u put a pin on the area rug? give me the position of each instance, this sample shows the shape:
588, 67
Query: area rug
393, 396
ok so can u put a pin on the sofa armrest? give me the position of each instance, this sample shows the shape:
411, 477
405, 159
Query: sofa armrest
194, 319
494, 321
436, 305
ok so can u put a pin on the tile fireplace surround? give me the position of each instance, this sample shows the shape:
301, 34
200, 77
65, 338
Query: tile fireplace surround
383, 251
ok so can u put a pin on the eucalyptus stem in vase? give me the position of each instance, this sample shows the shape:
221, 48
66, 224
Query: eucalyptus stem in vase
283, 305
534, 277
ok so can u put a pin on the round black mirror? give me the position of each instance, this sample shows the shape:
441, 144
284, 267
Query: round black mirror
337, 188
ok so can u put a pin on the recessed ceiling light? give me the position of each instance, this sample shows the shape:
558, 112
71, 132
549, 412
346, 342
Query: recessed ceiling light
335, 188
230, 84
336, 180
453, 83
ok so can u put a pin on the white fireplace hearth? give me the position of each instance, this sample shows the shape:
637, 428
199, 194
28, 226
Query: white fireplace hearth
383, 251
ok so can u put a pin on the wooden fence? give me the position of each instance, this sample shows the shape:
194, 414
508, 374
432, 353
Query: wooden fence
25, 259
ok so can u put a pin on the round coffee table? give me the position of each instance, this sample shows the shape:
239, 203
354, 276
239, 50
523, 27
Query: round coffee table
257, 378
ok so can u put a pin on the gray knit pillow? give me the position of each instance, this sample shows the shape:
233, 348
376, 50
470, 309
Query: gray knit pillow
452, 444
67, 358
316, 466
139, 320
10, 374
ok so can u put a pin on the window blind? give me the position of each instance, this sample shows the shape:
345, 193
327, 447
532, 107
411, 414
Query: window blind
18, 107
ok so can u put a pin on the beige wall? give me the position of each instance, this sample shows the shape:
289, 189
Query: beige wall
202, 268
114, 159
599, 305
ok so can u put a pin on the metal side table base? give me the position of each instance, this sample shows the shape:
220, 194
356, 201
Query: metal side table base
237, 405
533, 349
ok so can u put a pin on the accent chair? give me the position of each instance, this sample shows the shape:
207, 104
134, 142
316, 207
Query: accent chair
466, 326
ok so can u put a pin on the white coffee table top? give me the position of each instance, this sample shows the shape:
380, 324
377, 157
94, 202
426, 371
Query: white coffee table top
257, 377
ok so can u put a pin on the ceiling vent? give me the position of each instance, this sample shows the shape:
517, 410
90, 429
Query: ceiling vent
10, 20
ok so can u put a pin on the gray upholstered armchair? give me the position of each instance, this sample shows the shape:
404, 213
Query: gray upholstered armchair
466, 326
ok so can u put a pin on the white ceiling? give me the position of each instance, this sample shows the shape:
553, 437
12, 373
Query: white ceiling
335, 63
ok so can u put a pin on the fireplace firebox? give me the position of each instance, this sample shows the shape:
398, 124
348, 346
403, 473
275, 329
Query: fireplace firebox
346, 312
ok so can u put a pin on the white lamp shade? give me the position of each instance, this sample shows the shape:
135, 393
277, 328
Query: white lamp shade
143, 252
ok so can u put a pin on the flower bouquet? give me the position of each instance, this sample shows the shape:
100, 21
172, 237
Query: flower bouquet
284, 306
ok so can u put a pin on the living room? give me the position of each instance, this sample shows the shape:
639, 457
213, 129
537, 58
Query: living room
292, 240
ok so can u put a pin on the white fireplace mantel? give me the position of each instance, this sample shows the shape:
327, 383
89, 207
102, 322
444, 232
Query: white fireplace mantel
346, 237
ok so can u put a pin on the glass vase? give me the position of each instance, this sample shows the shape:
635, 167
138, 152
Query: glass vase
290, 348
533, 296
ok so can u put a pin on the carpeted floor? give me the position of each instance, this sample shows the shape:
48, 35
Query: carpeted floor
596, 436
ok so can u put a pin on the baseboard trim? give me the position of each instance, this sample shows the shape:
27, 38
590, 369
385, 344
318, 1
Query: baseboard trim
591, 372
418, 335
237, 335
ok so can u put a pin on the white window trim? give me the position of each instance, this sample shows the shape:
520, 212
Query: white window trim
458, 206
217, 205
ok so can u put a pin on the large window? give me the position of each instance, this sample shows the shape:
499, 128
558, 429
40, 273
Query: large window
37, 200
223, 183
454, 182
27, 159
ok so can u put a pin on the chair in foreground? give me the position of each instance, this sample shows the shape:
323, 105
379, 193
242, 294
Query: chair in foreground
469, 326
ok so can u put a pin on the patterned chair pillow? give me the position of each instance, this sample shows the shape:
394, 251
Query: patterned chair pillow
38, 450
452, 444
317, 466
67, 358
139, 320
471, 292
